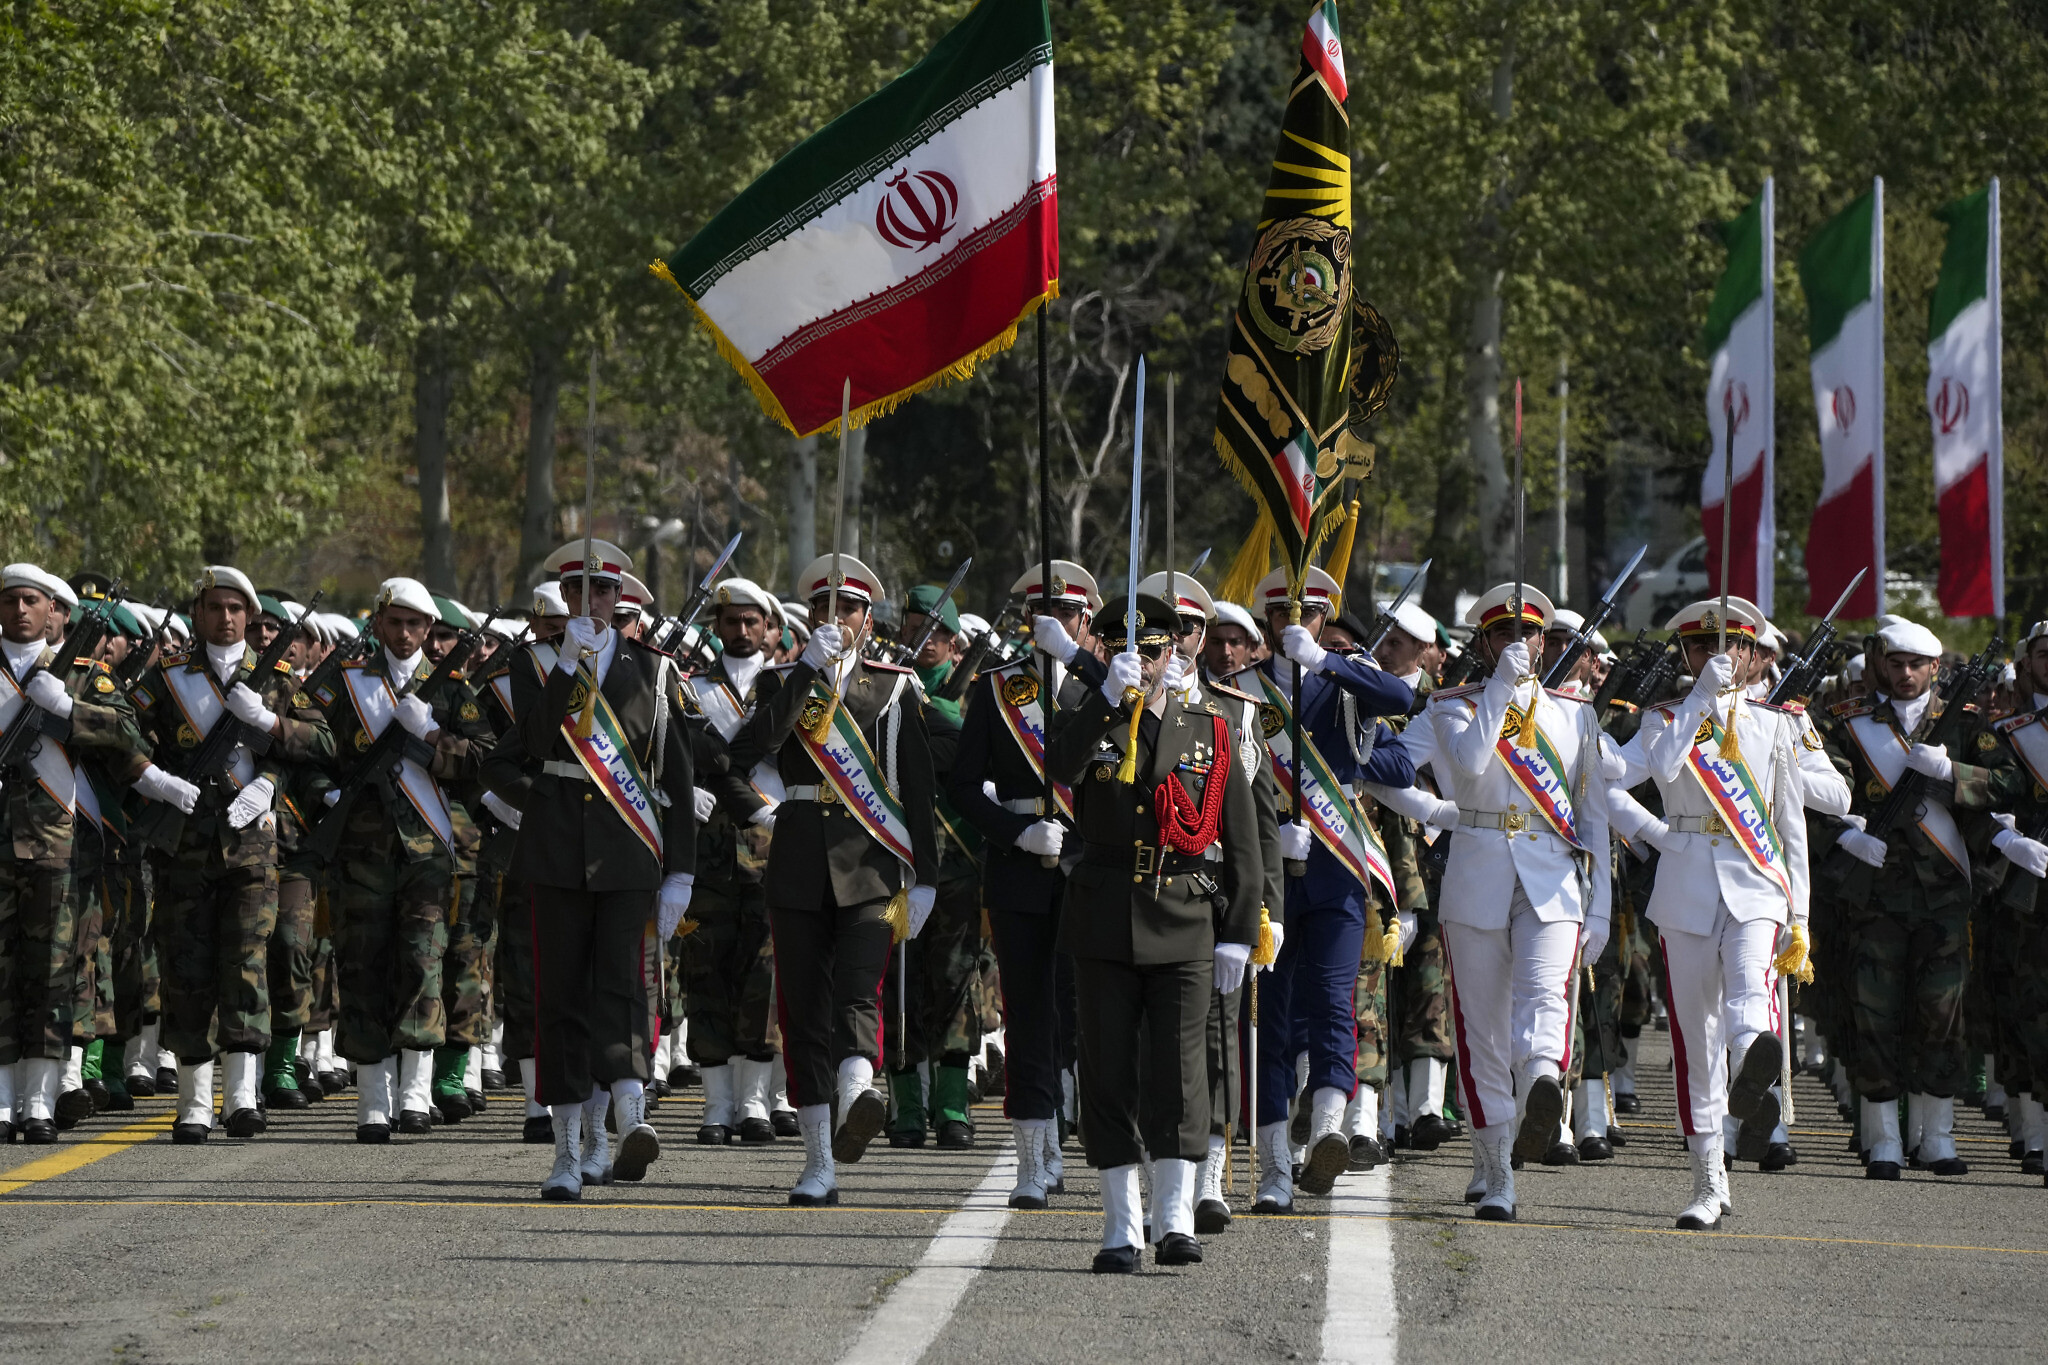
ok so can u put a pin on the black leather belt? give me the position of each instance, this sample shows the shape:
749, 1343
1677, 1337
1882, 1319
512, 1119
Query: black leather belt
1142, 860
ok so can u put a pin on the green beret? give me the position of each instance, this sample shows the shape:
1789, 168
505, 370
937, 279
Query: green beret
926, 598
266, 605
452, 616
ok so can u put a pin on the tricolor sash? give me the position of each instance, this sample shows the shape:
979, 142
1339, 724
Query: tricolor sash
51, 765
1538, 771
376, 707
198, 699
2029, 739
1020, 701
607, 758
1884, 749
1324, 805
849, 766
1736, 795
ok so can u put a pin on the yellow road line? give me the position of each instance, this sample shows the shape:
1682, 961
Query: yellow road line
69, 1156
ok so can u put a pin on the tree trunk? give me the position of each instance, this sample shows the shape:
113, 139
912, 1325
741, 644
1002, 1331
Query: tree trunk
802, 495
1449, 546
432, 387
1482, 355
1593, 568
856, 477
544, 408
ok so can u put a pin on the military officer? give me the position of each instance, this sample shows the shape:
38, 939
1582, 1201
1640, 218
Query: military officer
1155, 932
998, 784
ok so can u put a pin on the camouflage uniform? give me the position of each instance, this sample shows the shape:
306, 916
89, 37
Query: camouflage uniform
2012, 933
726, 964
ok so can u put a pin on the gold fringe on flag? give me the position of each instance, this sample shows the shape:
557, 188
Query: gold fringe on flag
1340, 557
1249, 565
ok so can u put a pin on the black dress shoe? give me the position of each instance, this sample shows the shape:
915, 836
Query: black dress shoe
1177, 1248
711, 1135
8, 1132
119, 1101
454, 1106
1778, 1156
435, 1118
955, 1136
39, 1132
2031, 1164
1595, 1148
140, 1085
1116, 1261
478, 1102
167, 1080
75, 1105
373, 1132
2016, 1149
1536, 1134
1616, 1138
413, 1121
828, 1200
658, 1087
1881, 1170
286, 1099
685, 1075
783, 1121
330, 1081
1561, 1153
102, 1098
1211, 1217
246, 1123
494, 1079
1366, 1153
1994, 1113
906, 1137
1403, 1141
540, 1129
1953, 1165
1428, 1133
1273, 1208
1494, 1213
186, 1134
756, 1132
1627, 1103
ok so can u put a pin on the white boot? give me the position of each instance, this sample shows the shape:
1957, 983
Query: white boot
2033, 1124
1994, 1090
1880, 1129
1052, 1161
719, 1119
1301, 1110
534, 1108
327, 1060
751, 1081
1495, 1147
195, 1099
74, 1070
639, 1144
1212, 1208
596, 1168
7, 1087
565, 1181
239, 1103
1029, 1191
1276, 1171
1937, 1135
778, 1086
1702, 1213
1173, 1198
1475, 1188
1329, 1151
1589, 1110
1916, 1123
1362, 1126
309, 1050
1623, 1077
819, 1183
473, 1071
862, 1111
376, 1100
132, 1066
415, 1086
1122, 1212
663, 1050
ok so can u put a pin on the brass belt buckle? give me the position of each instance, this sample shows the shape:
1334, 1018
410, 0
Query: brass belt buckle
827, 794
1148, 860
1514, 821
1712, 824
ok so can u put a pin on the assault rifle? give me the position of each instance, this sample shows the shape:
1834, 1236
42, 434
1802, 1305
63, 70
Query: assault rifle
969, 664
217, 751
1804, 672
1383, 624
906, 654
381, 762
137, 663
338, 658
31, 723
1582, 640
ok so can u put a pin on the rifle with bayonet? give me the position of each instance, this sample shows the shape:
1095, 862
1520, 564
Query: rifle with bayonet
216, 753
31, 722
1384, 623
906, 654
137, 663
1582, 639
1805, 671
969, 664
382, 760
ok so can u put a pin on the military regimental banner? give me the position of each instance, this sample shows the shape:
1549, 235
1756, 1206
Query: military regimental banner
1308, 359
901, 243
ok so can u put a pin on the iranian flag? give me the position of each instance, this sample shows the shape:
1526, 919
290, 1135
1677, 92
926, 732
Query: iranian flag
1842, 271
900, 244
1740, 340
1963, 399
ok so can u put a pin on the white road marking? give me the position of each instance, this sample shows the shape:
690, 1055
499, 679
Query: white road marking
921, 1304
1359, 1326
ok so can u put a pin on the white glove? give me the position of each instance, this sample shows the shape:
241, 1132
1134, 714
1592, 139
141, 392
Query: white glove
1279, 932
250, 802
1126, 673
1176, 675
1294, 842
508, 815
245, 706
922, 899
579, 634
1300, 646
824, 646
765, 817
416, 716
331, 797
1049, 635
158, 785
1230, 963
1592, 940
45, 691
1864, 848
671, 903
1714, 675
2028, 855
703, 802
1043, 838
1931, 759
1514, 663
1410, 926
1658, 835
988, 789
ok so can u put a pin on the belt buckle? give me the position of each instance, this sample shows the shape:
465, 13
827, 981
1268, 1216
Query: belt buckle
1147, 861
1713, 824
828, 795
1514, 821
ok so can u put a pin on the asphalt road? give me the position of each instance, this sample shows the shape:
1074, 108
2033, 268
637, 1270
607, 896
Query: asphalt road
303, 1246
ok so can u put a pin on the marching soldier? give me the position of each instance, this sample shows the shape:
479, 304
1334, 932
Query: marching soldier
2013, 931
216, 854
1156, 932
292, 942
998, 784
607, 720
854, 851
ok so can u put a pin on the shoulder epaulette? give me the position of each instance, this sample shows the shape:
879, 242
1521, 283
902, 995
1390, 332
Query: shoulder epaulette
1627, 706
1568, 696
889, 668
2018, 721
1794, 707
282, 666
1447, 693
1767, 705
1846, 710
781, 668
355, 663
1221, 690
173, 660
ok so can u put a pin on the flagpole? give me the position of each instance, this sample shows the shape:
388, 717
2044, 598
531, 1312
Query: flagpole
1172, 582
586, 717
1727, 505
1048, 799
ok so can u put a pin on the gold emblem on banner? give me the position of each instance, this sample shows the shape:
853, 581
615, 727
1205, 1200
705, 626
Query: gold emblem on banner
578, 695
1705, 732
1270, 719
1021, 690
812, 714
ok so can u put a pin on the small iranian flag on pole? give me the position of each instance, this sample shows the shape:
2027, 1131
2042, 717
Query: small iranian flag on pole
1741, 341
900, 244
1842, 271
1963, 399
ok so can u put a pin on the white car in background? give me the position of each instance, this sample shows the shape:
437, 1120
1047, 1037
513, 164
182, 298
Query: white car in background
1658, 592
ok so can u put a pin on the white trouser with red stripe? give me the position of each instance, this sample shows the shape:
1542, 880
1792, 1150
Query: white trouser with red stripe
1511, 1001
1719, 988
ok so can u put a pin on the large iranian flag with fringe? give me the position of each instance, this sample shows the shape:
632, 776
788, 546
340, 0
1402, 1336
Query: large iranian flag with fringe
1842, 271
1740, 342
900, 244
1963, 361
